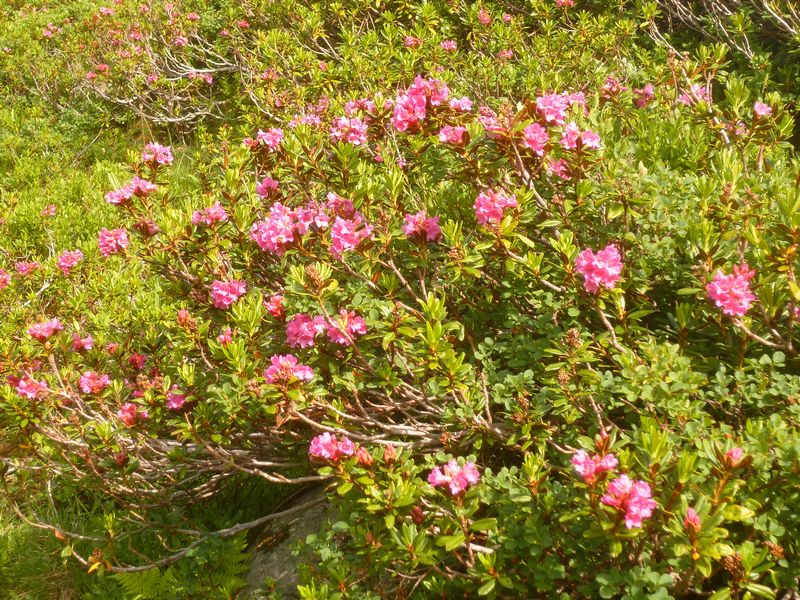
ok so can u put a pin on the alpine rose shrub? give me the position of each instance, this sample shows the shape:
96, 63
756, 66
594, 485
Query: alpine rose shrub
385, 261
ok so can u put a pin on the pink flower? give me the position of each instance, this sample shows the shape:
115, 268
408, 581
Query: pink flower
589, 467
130, 414
644, 96
175, 398
553, 108
180, 41
536, 138
698, 91
565, 3
347, 234
452, 135
732, 293
302, 329
352, 131
92, 382
505, 54
573, 138
5, 279
484, 18
733, 457
68, 259
267, 187
420, 224
463, 104
412, 42
112, 241
137, 361
80, 344
208, 216
326, 446
507, 18
692, 521
225, 293
42, 331
27, 387
285, 369
449, 46
226, 337
156, 154
344, 329
193, 16
559, 168
276, 232
271, 138
274, 306
409, 111
26, 267
489, 206
49, 210
601, 269
612, 88
456, 477
631, 498
762, 110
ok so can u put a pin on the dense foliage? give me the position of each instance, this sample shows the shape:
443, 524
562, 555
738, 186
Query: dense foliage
513, 282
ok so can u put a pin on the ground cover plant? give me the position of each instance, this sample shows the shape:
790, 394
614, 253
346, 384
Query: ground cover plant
512, 282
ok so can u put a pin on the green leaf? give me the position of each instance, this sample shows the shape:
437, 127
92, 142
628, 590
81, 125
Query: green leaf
484, 525
487, 588
451, 542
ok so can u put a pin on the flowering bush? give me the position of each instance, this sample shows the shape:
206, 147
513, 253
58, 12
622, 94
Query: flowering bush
487, 301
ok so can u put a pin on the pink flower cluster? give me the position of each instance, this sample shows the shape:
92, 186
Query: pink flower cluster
633, 499
156, 154
210, 215
454, 476
302, 329
226, 337
489, 206
346, 327
452, 135
590, 467
573, 138
347, 234
27, 387
601, 269
92, 383
42, 331
695, 93
271, 138
130, 414
225, 293
266, 187
421, 225
553, 107
644, 96
352, 131
325, 446
732, 292
410, 108
175, 398
535, 138
112, 241
5, 279
26, 267
274, 306
762, 110
67, 260
285, 369
80, 344
138, 187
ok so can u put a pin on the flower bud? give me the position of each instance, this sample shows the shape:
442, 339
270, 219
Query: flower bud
364, 457
389, 454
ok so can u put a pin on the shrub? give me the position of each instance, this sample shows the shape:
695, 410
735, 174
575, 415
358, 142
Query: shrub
528, 314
